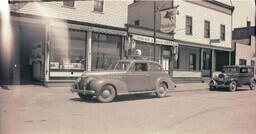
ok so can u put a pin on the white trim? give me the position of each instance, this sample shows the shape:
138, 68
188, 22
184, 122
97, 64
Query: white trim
183, 74
65, 74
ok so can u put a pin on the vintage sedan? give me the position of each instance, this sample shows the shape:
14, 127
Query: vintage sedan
234, 77
124, 77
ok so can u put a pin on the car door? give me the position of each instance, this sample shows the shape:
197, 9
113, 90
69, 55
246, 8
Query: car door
138, 77
155, 72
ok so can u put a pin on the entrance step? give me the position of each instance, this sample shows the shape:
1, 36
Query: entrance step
59, 83
188, 80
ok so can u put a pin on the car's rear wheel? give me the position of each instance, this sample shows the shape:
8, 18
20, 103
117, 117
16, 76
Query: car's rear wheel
253, 84
85, 97
162, 90
107, 94
233, 86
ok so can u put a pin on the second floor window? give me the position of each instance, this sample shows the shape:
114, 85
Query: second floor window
222, 32
98, 5
137, 22
69, 3
242, 61
206, 29
188, 25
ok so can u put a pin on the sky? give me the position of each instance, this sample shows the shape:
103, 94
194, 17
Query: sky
244, 10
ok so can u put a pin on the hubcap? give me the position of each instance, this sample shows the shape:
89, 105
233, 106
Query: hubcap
161, 90
233, 86
106, 93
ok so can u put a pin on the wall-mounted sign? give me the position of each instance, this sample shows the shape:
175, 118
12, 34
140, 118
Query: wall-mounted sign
151, 40
168, 20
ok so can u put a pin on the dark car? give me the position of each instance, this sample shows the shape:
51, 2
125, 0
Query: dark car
234, 77
124, 77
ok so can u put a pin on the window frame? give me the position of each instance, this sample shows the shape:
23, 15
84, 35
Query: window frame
69, 3
98, 6
207, 29
137, 22
189, 25
242, 62
222, 32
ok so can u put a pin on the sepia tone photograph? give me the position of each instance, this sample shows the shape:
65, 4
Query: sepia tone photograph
127, 67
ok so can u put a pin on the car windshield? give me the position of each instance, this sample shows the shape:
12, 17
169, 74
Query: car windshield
230, 70
121, 66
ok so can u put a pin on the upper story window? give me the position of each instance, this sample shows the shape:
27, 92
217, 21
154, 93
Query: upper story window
207, 29
137, 22
242, 61
248, 23
222, 32
188, 25
98, 5
69, 3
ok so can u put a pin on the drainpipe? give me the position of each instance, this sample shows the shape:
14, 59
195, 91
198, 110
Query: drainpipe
154, 30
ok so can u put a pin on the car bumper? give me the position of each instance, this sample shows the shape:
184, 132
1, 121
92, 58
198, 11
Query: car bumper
213, 83
83, 91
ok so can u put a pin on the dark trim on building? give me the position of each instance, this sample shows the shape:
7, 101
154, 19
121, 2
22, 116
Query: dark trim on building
221, 4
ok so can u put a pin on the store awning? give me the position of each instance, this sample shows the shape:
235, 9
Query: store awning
90, 28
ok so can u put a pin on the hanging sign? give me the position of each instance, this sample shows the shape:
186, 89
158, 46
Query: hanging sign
168, 20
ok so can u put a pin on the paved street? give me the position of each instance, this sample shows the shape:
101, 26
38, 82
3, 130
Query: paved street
190, 110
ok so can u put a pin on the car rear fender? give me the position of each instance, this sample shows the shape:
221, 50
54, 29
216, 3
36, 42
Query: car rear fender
119, 85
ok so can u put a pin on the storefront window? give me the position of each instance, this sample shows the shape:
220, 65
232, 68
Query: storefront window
106, 49
147, 50
67, 51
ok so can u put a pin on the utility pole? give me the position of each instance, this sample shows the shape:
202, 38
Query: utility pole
154, 30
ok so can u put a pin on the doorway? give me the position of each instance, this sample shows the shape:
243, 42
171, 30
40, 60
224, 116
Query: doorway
26, 51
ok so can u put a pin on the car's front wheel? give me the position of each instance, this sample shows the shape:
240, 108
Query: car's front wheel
107, 94
253, 84
211, 87
85, 97
162, 90
233, 86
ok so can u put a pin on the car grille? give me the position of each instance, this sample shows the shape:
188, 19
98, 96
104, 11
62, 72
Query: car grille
82, 84
220, 82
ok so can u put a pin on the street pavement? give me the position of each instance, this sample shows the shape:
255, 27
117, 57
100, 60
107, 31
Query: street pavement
190, 109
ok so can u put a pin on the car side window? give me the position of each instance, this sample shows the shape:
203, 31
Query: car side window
141, 67
155, 67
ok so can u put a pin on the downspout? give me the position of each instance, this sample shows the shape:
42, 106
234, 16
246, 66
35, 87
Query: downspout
232, 46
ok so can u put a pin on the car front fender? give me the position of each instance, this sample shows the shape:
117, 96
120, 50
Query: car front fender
171, 85
119, 85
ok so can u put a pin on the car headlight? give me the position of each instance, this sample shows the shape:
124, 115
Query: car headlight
77, 80
215, 76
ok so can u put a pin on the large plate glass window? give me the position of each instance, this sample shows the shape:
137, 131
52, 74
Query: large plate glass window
147, 50
106, 49
67, 53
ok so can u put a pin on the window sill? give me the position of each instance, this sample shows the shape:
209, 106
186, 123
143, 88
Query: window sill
68, 7
98, 12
